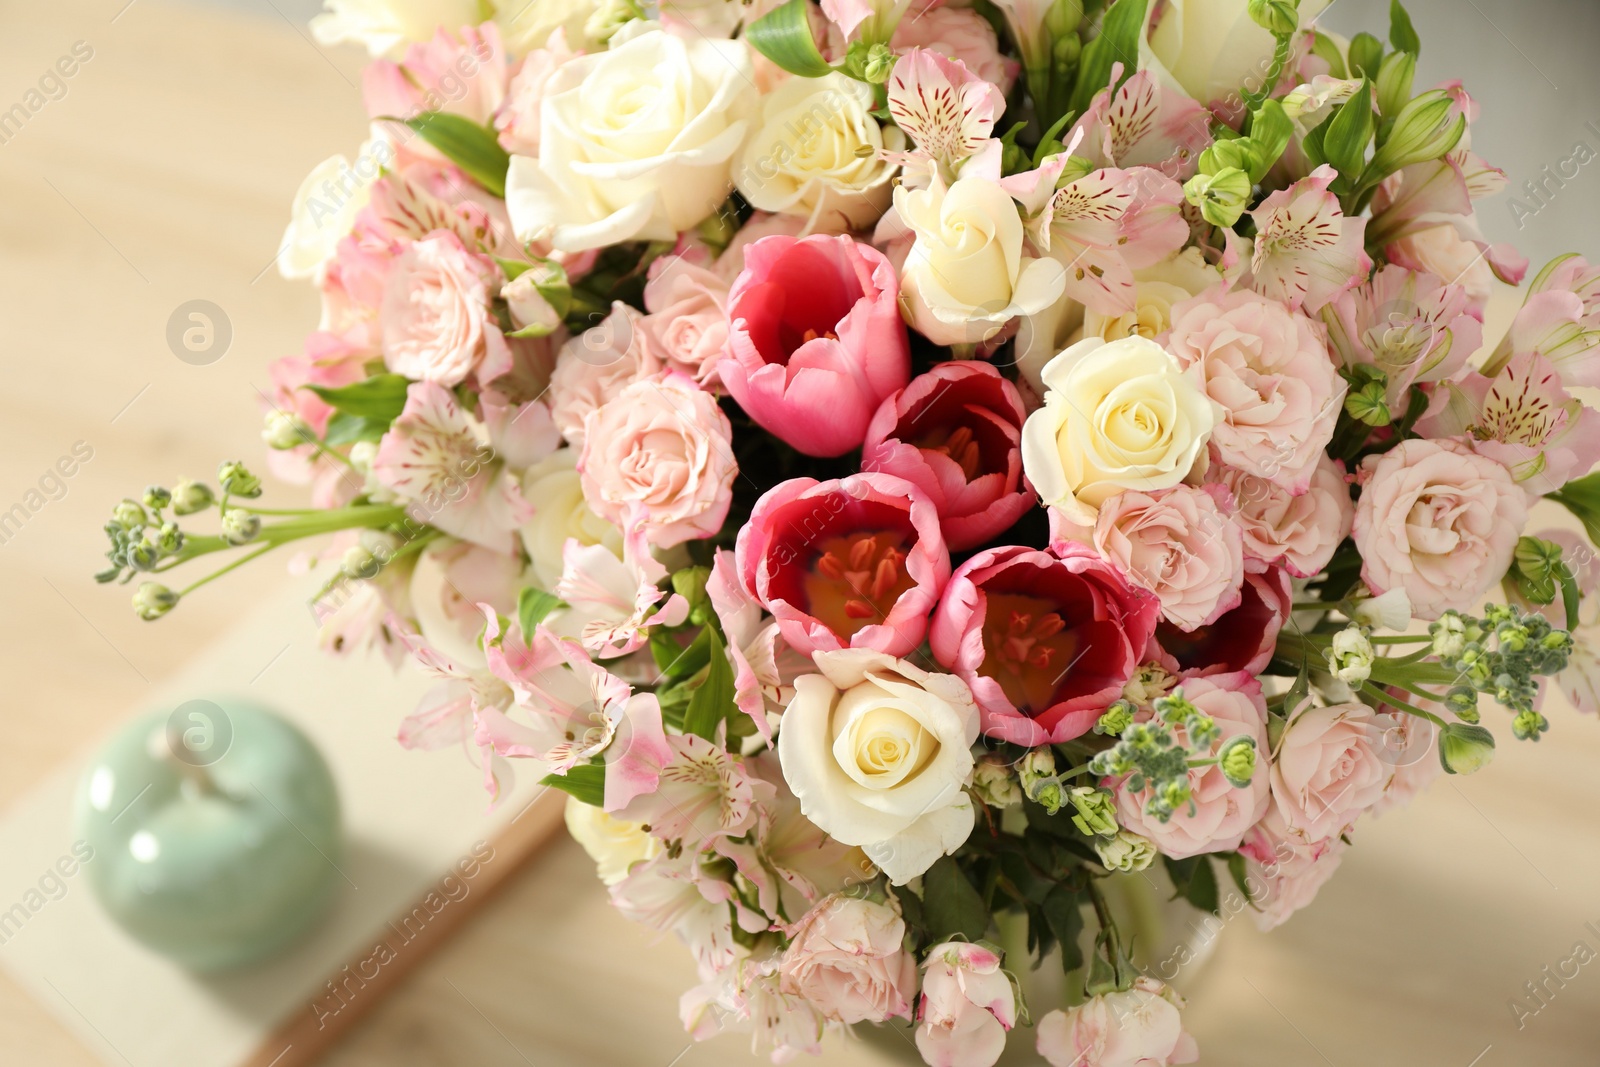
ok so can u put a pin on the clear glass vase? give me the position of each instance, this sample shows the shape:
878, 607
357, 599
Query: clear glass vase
1169, 939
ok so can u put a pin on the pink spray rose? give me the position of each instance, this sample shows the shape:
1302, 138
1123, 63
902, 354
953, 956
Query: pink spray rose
1439, 521
1301, 532
853, 563
1221, 811
1269, 372
967, 1006
1046, 643
958, 33
816, 342
1331, 766
597, 365
438, 324
1180, 544
1141, 1027
660, 452
1284, 871
1243, 639
846, 958
956, 433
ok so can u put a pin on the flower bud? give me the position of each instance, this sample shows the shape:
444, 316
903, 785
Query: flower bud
1037, 772
1528, 725
1064, 17
1094, 811
153, 600
240, 527
156, 497
1463, 701
1281, 18
1115, 719
877, 65
1426, 128
1366, 55
283, 431
129, 515
167, 539
190, 496
1449, 633
1221, 197
236, 480
357, 563
1125, 853
1389, 611
1350, 656
1395, 75
1237, 760
1536, 570
993, 782
1464, 748
1175, 707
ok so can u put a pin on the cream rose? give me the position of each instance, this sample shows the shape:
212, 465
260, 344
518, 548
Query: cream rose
817, 154
526, 25
614, 844
966, 275
878, 753
1212, 48
634, 143
386, 27
560, 513
325, 208
1117, 415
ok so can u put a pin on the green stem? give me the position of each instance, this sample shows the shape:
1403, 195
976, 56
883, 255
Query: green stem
1280, 60
1394, 702
240, 562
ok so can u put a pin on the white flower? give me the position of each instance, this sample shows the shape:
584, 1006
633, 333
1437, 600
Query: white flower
1117, 415
614, 844
1212, 48
966, 275
1391, 611
560, 513
878, 754
634, 143
526, 25
385, 27
1125, 852
325, 208
816, 154
1350, 656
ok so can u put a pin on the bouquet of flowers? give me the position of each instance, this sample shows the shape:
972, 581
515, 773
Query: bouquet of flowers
903, 466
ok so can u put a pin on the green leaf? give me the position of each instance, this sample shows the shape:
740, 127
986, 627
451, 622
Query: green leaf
1195, 881
1063, 910
910, 907
676, 661
381, 397
534, 606
1327, 49
469, 146
1237, 869
784, 36
346, 429
951, 904
1366, 55
1349, 134
1581, 496
1118, 43
713, 698
1270, 131
513, 268
1401, 33
585, 782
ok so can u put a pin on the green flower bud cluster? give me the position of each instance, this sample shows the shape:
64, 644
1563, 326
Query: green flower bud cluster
141, 537
1094, 811
1501, 654
1115, 719
1037, 773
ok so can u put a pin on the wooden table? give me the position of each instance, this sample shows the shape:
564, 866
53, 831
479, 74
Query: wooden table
163, 175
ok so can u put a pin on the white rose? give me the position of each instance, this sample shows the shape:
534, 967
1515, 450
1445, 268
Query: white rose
386, 27
634, 143
526, 25
325, 208
1213, 48
879, 754
614, 844
1117, 415
966, 276
816, 155
555, 490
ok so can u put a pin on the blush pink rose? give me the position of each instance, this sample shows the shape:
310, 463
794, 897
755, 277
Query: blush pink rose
598, 364
1269, 371
968, 1005
1180, 544
816, 341
853, 563
1243, 639
463, 73
1221, 812
688, 319
1046, 643
1140, 1027
517, 121
1283, 871
661, 453
1301, 532
956, 433
1438, 521
958, 33
1331, 765
846, 959
437, 314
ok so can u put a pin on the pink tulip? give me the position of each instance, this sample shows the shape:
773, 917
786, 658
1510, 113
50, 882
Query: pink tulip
1241, 640
956, 433
1046, 643
853, 563
815, 341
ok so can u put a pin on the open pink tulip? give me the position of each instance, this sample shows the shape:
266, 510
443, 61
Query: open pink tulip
853, 563
1046, 643
956, 434
815, 342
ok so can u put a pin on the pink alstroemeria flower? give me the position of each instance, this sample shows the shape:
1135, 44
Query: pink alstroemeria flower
1413, 327
1045, 642
853, 563
1144, 124
1306, 250
816, 341
764, 665
431, 77
948, 111
611, 603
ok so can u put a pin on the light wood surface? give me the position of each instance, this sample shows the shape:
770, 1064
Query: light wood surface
163, 175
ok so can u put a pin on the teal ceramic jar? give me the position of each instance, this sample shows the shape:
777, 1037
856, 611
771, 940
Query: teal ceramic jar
215, 829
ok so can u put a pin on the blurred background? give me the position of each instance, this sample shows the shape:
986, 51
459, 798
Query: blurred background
162, 173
